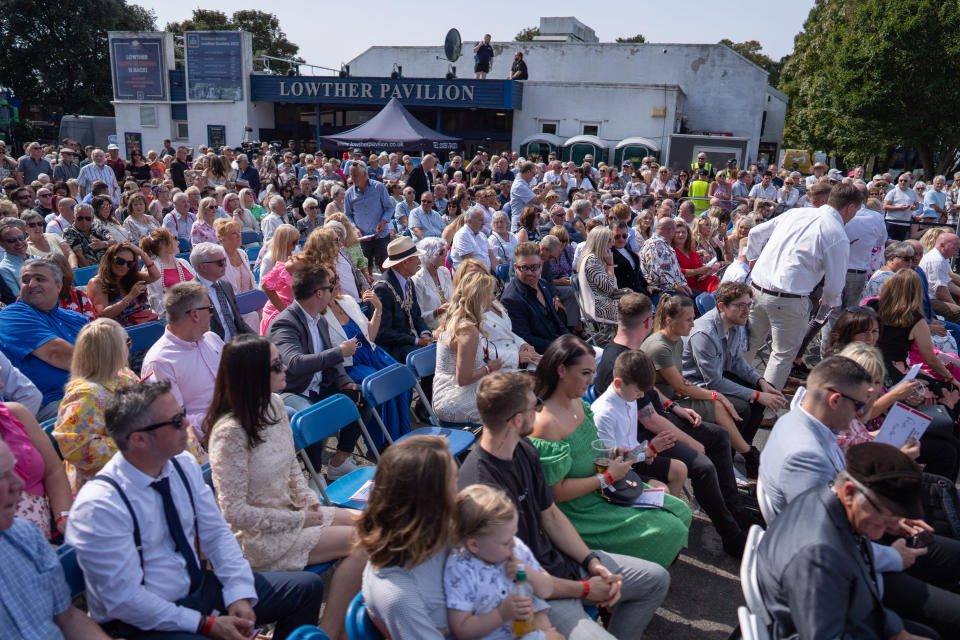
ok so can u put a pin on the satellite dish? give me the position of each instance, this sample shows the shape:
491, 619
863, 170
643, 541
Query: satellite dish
451, 45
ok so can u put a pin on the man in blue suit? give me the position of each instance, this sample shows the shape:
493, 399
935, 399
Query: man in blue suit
529, 301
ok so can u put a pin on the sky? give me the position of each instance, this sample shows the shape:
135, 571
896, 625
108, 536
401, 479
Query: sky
329, 36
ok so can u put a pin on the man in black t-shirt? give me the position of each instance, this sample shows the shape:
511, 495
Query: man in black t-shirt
483, 58
506, 459
703, 446
178, 167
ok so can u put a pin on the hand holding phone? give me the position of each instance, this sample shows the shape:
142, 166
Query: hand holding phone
920, 540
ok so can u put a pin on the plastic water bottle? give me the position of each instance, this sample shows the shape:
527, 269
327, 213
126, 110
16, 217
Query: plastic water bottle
522, 588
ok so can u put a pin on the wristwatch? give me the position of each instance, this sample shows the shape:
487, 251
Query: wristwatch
586, 561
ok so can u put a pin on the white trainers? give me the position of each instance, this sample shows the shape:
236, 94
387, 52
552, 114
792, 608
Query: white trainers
335, 473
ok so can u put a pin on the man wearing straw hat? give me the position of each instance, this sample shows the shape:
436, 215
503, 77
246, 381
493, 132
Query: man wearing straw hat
402, 328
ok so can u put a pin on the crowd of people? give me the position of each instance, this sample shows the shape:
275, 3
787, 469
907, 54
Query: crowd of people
609, 333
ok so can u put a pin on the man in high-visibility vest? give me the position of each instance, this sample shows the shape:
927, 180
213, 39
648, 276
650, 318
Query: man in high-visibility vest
702, 165
698, 190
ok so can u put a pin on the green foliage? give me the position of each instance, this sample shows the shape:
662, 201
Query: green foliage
268, 38
527, 35
57, 58
870, 75
751, 51
637, 39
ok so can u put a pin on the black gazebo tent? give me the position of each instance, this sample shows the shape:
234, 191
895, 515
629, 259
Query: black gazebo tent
393, 129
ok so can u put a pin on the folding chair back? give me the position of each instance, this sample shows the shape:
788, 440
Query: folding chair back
359, 624
748, 576
82, 275
143, 336
252, 300
71, 569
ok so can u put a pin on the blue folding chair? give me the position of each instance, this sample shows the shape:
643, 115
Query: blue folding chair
252, 300
71, 569
207, 472
47, 426
321, 421
183, 245
590, 395
143, 336
250, 237
396, 380
83, 275
184, 256
705, 302
423, 362
359, 624
503, 271
307, 632
253, 253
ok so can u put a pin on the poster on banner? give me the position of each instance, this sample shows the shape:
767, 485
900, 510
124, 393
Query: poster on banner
137, 66
902, 423
132, 141
214, 61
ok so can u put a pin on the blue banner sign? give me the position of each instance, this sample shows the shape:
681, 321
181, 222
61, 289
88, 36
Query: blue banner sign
137, 68
479, 94
214, 65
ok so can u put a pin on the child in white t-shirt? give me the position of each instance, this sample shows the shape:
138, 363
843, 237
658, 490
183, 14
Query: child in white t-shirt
478, 577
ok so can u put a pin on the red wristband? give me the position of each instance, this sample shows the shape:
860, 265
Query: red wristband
756, 394
653, 448
667, 405
714, 398
208, 627
586, 589
606, 474
58, 520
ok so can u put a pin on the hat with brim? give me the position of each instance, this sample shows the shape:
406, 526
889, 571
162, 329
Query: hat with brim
399, 250
891, 477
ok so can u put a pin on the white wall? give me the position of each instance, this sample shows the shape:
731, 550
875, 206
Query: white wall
776, 116
724, 91
622, 110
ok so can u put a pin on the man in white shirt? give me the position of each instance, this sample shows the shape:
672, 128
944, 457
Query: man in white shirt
99, 170
180, 221
137, 527
469, 241
818, 170
944, 285
764, 189
522, 195
868, 237
900, 204
793, 252
271, 221
558, 179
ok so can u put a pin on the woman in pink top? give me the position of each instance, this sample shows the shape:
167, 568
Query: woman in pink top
278, 283
38, 465
162, 245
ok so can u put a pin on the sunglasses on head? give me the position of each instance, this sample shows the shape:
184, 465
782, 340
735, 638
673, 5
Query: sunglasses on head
176, 421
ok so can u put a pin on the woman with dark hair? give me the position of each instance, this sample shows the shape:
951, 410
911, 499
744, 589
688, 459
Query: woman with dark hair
138, 169
104, 217
119, 290
139, 222
564, 433
858, 324
529, 225
406, 530
277, 519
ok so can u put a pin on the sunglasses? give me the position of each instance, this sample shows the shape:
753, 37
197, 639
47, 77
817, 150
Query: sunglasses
34, 225
222, 262
206, 308
176, 421
620, 236
87, 218
528, 267
120, 262
277, 367
857, 404
15, 239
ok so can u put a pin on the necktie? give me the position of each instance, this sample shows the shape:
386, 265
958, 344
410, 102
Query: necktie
225, 312
162, 486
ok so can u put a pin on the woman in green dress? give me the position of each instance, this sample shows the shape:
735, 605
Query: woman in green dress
563, 434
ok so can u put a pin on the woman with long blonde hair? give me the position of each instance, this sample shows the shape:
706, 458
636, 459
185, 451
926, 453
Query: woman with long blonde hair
277, 283
598, 284
463, 357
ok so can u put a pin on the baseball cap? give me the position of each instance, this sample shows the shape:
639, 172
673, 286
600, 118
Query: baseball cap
889, 475
356, 150
731, 162
111, 147
834, 174
626, 163
610, 202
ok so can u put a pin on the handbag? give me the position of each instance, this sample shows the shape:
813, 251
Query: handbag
941, 505
625, 491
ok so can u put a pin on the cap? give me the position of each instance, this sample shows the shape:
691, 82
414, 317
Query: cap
890, 475
626, 163
111, 147
834, 174
731, 162
610, 203
356, 150
66, 150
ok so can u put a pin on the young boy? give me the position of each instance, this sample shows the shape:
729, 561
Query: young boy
615, 414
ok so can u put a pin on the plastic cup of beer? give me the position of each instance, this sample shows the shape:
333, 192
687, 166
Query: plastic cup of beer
602, 451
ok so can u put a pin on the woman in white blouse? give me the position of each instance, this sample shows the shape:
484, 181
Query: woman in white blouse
497, 330
233, 208
502, 241
433, 282
139, 223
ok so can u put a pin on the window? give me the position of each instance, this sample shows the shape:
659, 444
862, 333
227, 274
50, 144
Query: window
148, 116
549, 126
591, 128
182, 131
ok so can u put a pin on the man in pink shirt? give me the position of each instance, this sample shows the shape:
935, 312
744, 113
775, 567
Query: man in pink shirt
188, 353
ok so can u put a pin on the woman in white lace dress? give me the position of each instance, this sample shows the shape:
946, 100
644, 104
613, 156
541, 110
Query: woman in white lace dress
461, 359
259, 487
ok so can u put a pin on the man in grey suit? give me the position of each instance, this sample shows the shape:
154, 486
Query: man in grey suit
815, 566
209, 260
314, 365
802, 454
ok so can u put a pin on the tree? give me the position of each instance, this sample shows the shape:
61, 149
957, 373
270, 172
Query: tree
857, 90
268, 38
637, 38
527, 35
751, 51
59, 62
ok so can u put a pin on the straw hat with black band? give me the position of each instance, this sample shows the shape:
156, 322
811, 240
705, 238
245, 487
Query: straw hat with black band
399, 250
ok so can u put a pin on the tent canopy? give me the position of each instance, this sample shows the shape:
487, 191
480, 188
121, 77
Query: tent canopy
393, 129
638, 141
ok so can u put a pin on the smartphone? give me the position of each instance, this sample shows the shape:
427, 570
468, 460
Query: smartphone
256, 632
640, 452
920, 540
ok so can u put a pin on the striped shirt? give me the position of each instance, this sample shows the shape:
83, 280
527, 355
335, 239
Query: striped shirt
91, 173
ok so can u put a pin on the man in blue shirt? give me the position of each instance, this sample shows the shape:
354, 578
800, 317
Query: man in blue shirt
32, 165
369, 208
247, 174
521, 195
38, 335
425, 221
13, 237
